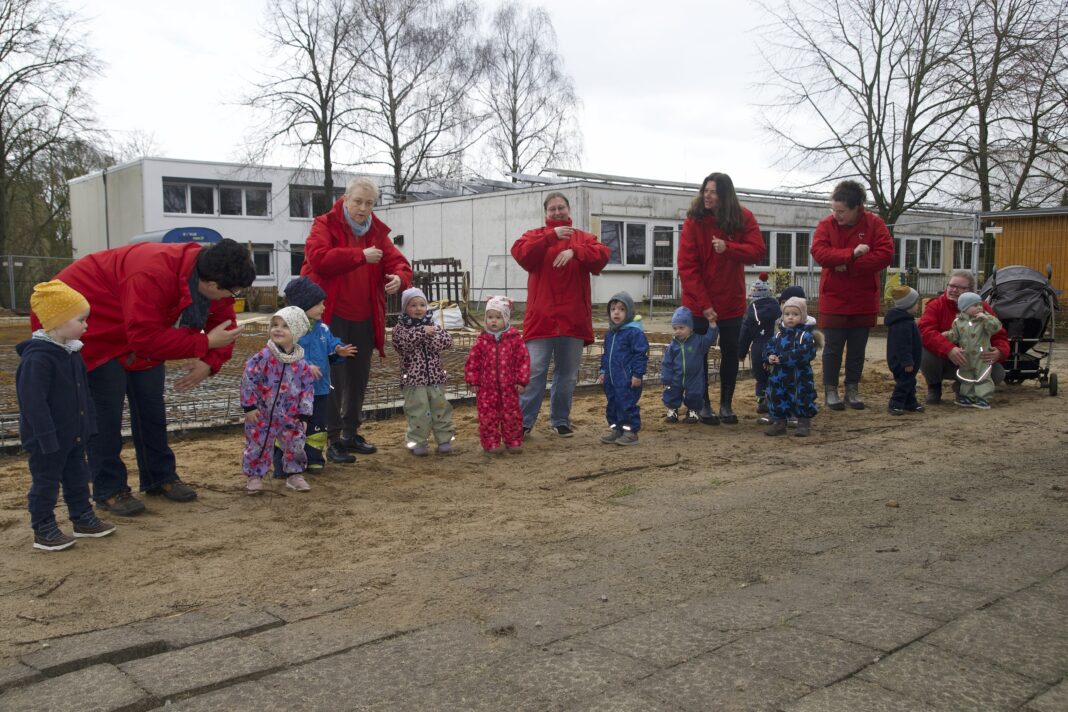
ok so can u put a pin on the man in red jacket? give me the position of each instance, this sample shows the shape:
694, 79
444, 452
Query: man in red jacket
941, 357
558, 321
350, 255
151, 303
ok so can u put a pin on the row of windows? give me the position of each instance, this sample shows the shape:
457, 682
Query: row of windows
249, 201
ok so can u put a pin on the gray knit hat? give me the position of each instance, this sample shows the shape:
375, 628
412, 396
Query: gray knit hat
408, 295
968, 299
904, 296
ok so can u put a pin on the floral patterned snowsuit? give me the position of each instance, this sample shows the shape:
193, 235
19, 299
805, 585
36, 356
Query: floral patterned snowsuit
283, 395
496, 367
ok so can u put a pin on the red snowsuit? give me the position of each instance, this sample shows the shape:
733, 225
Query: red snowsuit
712, 279
855, 290
496, 368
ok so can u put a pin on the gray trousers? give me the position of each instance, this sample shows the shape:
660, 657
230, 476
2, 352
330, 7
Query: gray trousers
936, 369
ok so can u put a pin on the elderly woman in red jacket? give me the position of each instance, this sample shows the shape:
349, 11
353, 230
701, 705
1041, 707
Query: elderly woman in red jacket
558, 320
853, 247
350, 255
718, 239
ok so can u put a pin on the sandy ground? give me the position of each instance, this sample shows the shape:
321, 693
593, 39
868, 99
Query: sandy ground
398, 534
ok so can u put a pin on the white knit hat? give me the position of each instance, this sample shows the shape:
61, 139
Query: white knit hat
296, 319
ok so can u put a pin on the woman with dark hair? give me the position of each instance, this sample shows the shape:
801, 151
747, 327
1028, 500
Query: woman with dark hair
718, 239
852, 246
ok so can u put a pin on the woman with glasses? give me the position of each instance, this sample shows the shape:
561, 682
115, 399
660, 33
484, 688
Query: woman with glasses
853, 247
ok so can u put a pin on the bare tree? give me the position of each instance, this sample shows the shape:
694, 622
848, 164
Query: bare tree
132, 145
419, 63
310, 98
861, 93
531, 101
43, 64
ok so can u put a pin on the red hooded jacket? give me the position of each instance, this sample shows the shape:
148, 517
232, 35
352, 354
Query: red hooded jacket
856, 290
136, 294
333, 258
558, 298
938, 316
711, 279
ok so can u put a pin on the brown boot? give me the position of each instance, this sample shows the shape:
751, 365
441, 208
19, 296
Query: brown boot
777, 427
804, 427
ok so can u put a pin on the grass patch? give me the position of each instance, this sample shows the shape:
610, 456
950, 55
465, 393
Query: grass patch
625, 491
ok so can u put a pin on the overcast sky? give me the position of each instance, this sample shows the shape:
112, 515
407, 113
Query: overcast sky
667, 90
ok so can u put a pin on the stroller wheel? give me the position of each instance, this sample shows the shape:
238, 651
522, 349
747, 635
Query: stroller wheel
1053, 384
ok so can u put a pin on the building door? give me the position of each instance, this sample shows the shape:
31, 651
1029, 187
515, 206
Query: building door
664, 262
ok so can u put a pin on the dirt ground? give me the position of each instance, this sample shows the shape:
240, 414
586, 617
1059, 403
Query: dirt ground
397, 533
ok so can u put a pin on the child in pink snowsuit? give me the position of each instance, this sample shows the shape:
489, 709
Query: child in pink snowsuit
277, 392
498, 369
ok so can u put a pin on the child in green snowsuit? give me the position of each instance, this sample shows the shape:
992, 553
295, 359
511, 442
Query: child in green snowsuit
971, 331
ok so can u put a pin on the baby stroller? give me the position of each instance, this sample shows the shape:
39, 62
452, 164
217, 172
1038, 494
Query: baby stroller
1025, 301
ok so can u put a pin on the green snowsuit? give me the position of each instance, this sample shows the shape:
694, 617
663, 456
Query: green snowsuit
972, 335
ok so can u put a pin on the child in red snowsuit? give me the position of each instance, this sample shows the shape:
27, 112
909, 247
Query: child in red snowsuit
498, 370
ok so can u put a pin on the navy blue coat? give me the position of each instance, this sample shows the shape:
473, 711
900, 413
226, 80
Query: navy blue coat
758, 326
684, 361
903, 345
55, 409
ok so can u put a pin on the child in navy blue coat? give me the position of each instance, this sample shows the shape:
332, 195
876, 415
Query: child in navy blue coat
681, 371
791, 385
56, 416
903, 349
757, 327
626, 352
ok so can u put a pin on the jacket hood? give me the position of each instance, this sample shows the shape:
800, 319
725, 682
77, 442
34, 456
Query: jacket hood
628, 304
895, 315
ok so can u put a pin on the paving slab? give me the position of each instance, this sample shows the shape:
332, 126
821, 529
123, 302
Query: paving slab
205, 624
198, 668
1036, 609
854, 695
17, 674
481, 693
751, 608
317, 637
111, 645
663, 638
272, 694
1053, 700
708, 683
292, 612
811, 658
542, 619
100, 687
1007, 643
925, 599
867, 623
948, 681
623, 701
1056, 585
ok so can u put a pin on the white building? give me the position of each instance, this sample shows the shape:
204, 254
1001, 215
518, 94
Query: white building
272, 208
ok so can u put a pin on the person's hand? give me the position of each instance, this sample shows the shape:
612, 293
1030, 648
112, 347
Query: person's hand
252, 415
600, 378
564, 232
635, 382
519, 388
346, 351
223, 335
909, 369
861, 250
393, 284
564, 257
372, 255
773, 359
841, 268
956, 356
429, 329
196, 373
709, 314
316, 372
720, 246
992, 356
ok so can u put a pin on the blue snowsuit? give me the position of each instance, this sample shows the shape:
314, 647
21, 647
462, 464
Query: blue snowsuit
626, 353
757, 328
903, 349
682, 369
791, 385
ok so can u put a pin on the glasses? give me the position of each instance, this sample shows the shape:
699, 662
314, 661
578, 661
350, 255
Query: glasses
235, 293
956, 287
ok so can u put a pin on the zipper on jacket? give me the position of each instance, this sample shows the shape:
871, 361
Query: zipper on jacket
270, 415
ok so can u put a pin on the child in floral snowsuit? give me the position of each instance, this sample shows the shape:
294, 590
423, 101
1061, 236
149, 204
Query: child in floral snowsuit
419, 342
277, 390
791, 385
498, 370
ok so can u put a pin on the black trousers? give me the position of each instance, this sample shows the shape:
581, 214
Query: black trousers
730, 331
854, 341
349, 377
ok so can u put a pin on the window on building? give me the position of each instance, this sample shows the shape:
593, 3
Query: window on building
211, 199
635, 244
921, 253
784, 249
802, 247
769, 254
296, 259
309, 201
963, 254
627, 242
263, 259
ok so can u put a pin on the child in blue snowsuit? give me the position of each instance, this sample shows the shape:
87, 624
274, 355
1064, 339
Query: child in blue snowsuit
681, 369
904, 350
626, 352
757, 328
791, 385
321, 348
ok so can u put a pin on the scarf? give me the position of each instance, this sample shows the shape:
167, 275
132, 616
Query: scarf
359, 228
195, 316
73, 346
427, 320
295, 355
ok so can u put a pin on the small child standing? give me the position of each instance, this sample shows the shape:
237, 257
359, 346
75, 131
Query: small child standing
321, 348
680, 370
56, 416
277, 395
419, 342
791, 385
626, 352
903, 349
498, 370
971, 331
757, 328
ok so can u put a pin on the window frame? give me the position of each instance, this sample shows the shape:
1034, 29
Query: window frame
268, 250
928, 250
308, 199
187, 186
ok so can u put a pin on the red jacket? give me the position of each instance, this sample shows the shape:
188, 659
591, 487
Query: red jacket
938, 316
136, 294
333, 254
498, 364
856, 290
711, 279
558, 298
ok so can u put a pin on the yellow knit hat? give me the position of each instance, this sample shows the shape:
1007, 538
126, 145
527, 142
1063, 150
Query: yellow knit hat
55, 303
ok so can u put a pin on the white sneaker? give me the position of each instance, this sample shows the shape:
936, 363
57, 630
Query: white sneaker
254, 485
298, 483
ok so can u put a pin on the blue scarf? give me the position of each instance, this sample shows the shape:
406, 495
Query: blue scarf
359, 228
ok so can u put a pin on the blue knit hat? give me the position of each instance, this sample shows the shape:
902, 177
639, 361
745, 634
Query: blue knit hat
792, 291
968, 299
304, 293
682, 316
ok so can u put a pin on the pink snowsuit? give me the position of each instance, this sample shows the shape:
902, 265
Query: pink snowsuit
283, 394
496, 367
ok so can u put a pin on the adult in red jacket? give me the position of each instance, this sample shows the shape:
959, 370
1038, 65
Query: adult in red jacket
718, 239
137, 294
558, 321
941, 357
350, 255
853, 247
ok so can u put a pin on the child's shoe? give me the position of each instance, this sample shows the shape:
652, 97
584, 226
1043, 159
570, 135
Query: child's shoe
298, 483
918, 408
314, 467
627, 438
895, 409
494, 450
672, 415
963, 401
777, 427
52, 539
791, 422
420, 451
692, 418
980, 403
513, 449
254, 485
444, 448
762, 405
92, 526
804, 427
611, 436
